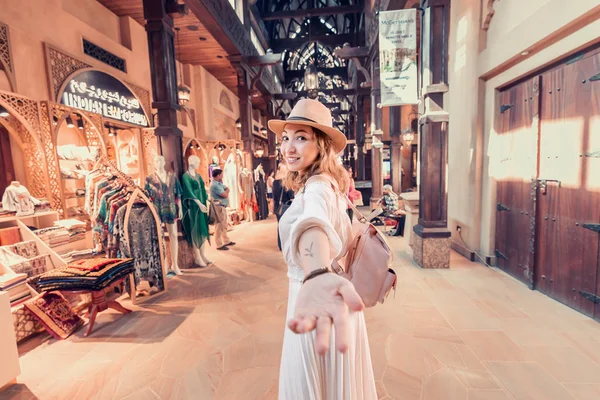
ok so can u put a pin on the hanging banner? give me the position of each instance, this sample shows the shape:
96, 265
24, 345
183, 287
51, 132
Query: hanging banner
398, 57
100, 93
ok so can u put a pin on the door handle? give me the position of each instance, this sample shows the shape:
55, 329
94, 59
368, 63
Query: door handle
544, 183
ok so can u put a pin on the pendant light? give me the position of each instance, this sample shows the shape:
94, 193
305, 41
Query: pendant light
311, 75
4, 112
80, 124
70, 123
183, 92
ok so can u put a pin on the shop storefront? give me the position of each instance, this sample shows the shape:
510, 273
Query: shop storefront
82, 222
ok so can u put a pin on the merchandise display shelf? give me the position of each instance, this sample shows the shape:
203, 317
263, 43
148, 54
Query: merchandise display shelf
9, 367
50, 216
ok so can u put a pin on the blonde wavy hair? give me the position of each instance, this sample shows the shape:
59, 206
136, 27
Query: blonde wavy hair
325, 163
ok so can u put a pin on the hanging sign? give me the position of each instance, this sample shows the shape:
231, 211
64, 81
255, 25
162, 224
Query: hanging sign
101, 93
398, 57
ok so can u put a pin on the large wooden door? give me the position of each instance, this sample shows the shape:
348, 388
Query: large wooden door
568, 190
515, 172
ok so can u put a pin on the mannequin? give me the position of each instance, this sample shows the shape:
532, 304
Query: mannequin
230, 180
246, 192
195, 211
17, 198
165, 192
260, 190
214, 165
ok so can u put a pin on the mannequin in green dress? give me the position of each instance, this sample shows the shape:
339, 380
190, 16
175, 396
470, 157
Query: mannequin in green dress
195, 211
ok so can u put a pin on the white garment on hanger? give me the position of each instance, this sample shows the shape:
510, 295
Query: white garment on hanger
230, 179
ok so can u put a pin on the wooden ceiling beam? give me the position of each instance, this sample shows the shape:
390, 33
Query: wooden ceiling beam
340, 71
314, 12
339, 92
279, 45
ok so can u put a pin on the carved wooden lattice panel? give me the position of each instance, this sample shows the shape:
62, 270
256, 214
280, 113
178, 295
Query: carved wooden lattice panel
34, 162
52, 162
5, 47
150, 143
35, 170
31, 140
92, 133
61, 66
26, 108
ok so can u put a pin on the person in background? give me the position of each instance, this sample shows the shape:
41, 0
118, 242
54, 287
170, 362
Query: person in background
353, 194
270, 179
281, 196
389, 200
220, 196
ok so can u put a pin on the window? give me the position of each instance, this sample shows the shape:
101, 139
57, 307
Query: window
104, 56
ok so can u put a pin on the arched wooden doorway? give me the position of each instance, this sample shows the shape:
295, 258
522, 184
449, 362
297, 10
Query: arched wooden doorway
23, 126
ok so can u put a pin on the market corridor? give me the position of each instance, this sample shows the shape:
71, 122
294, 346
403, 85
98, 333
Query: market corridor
468, 333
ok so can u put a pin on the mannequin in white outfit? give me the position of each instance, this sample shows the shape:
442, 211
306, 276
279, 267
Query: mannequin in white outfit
17, 198
230, 179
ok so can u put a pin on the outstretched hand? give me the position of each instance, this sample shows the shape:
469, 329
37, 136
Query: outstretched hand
323, 301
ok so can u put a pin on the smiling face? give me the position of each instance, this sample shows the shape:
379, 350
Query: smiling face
299, 147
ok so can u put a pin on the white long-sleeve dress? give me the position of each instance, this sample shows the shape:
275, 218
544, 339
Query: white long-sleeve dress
304, 375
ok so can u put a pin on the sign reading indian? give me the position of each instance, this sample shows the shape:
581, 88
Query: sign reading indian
100, 93
398, 57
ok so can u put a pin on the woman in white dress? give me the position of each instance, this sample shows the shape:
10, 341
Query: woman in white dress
314, 231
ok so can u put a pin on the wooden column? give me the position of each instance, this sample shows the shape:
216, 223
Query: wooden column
271, 137
159, 28
432, 240
245, 111
396, 134
360, 138
376, 152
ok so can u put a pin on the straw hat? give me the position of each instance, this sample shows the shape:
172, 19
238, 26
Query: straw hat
315, 114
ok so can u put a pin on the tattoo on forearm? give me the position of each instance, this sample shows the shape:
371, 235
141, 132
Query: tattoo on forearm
308, 252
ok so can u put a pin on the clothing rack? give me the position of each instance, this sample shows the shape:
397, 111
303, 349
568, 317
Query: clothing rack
103, 161
137, 194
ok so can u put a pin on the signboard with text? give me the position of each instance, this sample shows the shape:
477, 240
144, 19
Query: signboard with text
101, 93
398, 57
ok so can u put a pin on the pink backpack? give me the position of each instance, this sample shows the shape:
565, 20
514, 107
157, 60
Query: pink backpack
367, 264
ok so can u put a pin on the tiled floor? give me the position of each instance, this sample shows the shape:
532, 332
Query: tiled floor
468, 333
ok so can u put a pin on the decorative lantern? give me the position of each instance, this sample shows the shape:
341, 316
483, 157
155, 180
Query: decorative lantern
311, 81
408, 135
183, 93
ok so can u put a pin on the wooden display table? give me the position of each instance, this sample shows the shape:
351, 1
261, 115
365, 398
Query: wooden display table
100, 302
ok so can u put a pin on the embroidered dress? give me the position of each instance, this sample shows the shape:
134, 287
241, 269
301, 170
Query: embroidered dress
165, 196
195, 222
141, 245
303, 373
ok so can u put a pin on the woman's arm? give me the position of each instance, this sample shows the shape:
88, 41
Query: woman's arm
314, 250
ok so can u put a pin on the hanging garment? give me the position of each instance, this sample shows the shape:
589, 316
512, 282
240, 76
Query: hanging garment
303, 373
260, 188
166, 196
142, 244
195, 222
230, 180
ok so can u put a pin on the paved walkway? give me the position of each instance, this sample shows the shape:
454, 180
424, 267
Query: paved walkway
468, 333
